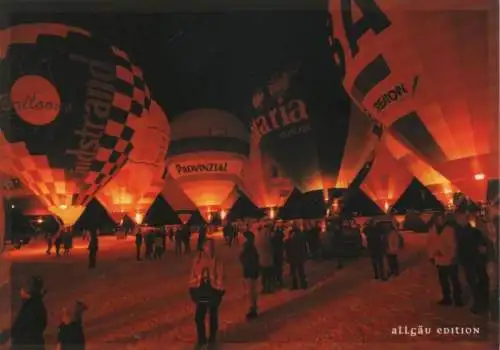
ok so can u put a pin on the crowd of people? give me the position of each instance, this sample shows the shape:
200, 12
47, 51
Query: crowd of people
269, 247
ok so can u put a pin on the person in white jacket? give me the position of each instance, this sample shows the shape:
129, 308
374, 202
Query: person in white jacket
442, 250
393, 245
265, 251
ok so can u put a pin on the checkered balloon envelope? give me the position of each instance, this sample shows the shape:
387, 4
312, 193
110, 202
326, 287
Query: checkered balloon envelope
69, 107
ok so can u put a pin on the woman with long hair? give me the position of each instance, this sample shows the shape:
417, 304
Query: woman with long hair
206, 287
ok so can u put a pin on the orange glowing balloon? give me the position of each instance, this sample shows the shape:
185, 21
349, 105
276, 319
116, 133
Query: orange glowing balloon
132, 191
437, 184
428, 70
387, 179
69, 106
264, 182
178, 200
207, 155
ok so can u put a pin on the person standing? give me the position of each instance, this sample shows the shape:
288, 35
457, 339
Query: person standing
206, 288
71, 335
31, 321
58, 241
336, 235
393, 246
138, 244
264, 249
249, 259
376, 247
202, 236
48, 237
277, 245
186, 238
93, 248
442, 250
295, 248
472, 256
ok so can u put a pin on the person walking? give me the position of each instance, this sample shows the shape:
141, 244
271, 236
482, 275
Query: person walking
93, 248
206, 287
249, 259
138, 244
442, 250
202, 236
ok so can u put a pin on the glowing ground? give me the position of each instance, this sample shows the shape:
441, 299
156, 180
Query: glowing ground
145, 305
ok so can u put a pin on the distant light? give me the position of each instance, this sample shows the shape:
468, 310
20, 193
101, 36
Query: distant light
63, 206
479, 176
271, 213
386, 207
12, 206
223, 214
40, 220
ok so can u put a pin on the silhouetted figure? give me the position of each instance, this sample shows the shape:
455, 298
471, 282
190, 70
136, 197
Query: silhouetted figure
158, 245
376, 247
249, 259
186, 238
178, 241
71, 335
49, 243
149, 242
266, 263
472, 256
295, 248
277, 244
202, 236
393, 245
58, 242
336, 242
93, 248
138, 244
31, 321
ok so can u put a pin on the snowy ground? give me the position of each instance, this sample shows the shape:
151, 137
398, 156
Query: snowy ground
145, 305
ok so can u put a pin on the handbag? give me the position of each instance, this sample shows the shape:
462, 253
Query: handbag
205, 293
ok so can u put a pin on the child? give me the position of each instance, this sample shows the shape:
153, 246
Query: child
71, 329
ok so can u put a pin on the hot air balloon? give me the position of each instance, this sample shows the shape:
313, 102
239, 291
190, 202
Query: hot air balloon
264, 182
428, 71
436, 183
387, 179
178, 200
319, 139
69, 107
132, 191
206, 157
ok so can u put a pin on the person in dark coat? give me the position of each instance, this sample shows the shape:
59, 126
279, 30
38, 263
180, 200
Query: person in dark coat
202, 236
472, 256
186, 238
48, 237
277, 244
295, 248
178, 240
138, 244
93, 248
336, 242
228, 234
71, 335
376, 246
149, 242
58, 241
31, 321
249, 259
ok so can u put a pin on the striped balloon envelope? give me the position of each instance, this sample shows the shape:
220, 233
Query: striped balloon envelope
428, 70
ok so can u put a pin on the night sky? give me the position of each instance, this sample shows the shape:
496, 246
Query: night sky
217, 60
